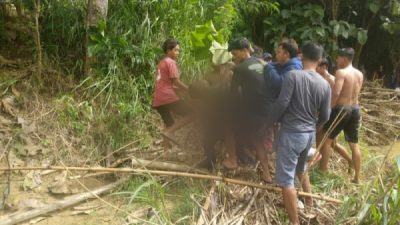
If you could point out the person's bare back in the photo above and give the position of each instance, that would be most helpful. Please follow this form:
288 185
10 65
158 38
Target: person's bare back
346 113
348 83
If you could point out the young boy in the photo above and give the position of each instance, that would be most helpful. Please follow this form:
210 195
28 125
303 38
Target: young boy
167 82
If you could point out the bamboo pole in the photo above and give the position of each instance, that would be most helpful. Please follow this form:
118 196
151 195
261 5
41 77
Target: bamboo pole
135 162
179 174
69 201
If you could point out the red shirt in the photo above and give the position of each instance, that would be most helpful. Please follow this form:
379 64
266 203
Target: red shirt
164 92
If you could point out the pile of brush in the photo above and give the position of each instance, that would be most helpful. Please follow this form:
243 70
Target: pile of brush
380 114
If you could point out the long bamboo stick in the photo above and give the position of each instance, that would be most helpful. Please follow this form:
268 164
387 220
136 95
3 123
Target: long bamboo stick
179 174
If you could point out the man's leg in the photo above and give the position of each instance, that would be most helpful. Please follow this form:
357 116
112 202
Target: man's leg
289 149
342 151
356 159
290 203
262 156
326 154
230 162
306 186
178 124
183 110
263 145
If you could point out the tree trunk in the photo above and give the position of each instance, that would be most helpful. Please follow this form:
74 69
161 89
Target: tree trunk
357 50
96 11
36 36
86 64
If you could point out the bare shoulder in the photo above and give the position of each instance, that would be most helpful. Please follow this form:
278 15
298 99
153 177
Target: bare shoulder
358 74
340 73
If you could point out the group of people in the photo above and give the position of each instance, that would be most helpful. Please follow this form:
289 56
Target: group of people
252 104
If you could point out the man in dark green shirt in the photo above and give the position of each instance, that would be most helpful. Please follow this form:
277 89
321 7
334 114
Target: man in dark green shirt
250 92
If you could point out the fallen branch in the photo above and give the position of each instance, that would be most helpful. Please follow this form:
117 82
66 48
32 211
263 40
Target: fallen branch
67 202
246 211
179 174
207 203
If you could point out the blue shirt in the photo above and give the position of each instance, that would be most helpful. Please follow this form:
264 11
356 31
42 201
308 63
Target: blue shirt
274 74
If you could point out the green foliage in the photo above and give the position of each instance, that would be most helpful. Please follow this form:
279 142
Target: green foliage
153 194
63 30
125 50
226 18
76 116
202 38
376 202
305 22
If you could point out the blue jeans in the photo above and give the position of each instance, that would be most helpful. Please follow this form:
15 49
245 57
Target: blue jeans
292 151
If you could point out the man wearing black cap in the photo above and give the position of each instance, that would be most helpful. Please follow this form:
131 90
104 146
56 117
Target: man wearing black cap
248 85
345 110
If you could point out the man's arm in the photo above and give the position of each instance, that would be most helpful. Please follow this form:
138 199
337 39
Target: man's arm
279 107
329 77
324 109
274 77
179 84
337 87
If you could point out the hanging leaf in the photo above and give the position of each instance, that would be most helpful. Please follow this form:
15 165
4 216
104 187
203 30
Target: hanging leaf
345 34
202 38
374 7
336 29
362 36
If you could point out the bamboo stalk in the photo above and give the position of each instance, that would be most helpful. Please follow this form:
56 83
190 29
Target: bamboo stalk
179 174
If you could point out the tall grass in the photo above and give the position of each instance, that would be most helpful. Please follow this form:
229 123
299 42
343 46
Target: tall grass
125 50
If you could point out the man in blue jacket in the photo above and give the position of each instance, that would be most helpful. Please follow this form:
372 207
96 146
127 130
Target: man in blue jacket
286 60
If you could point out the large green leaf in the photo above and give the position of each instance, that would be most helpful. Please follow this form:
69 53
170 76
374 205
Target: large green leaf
374 7
345 34
202 38
336 29
362 36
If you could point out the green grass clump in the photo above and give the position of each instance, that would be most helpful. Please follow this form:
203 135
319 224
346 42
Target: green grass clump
173 202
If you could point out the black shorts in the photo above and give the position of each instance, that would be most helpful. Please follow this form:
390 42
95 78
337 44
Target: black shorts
179 107
350 123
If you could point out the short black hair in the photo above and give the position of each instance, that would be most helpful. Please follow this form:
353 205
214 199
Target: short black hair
258 52
324 62
312 51
169 44
346 52
290 48
239 44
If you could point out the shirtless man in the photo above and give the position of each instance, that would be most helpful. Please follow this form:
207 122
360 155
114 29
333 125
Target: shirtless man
345 110
322 69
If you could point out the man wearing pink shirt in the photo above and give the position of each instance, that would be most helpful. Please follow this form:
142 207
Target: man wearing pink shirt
167 82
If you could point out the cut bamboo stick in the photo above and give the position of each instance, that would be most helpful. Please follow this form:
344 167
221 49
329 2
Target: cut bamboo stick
180 174
67 202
